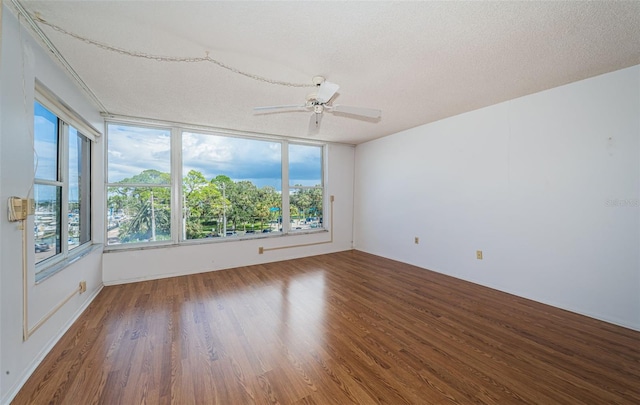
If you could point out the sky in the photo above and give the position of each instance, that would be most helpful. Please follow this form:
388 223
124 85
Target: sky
45 143
134 149
46 153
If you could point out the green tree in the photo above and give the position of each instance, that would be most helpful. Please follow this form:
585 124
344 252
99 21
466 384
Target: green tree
147 209
268 201
316 196
204 203
117 199
225 185
148 214
308 201
149 176
244 197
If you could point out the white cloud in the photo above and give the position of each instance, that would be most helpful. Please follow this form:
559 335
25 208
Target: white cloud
238 158
304 153
132 150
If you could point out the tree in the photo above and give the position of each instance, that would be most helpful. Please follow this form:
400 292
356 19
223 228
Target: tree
308 201
149 176
244 197
147 210
203 201
268 205
148 214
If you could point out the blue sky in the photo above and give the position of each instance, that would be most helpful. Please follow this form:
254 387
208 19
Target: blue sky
45 143
46 156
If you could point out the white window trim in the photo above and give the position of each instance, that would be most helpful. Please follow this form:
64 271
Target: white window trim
52 265
45 97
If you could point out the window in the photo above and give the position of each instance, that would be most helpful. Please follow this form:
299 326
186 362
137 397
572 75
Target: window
169 185
139 185
62 190
231 186
306 190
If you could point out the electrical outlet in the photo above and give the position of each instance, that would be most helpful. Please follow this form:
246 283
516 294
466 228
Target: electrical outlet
479 254
260 250
83 286
416 240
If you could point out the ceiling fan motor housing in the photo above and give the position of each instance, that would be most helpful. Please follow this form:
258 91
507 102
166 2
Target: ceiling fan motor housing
317 80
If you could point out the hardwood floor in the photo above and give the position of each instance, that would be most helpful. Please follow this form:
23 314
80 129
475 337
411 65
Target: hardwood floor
344 328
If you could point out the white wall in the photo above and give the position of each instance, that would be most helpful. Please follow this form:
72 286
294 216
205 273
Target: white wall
18 358
143 264
547 186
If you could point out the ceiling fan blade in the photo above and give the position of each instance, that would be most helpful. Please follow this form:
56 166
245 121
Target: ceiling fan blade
363 111
326 91
314 123
280 107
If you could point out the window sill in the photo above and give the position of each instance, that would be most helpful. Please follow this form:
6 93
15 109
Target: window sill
207 241
52 269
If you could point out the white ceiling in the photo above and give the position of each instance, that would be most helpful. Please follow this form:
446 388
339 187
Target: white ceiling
416 61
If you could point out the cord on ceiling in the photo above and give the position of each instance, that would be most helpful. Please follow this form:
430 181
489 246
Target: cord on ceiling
20 10
161 58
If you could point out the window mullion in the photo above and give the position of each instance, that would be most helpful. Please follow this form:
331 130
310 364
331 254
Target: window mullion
286 215
176 185
63 176
85 192
323 183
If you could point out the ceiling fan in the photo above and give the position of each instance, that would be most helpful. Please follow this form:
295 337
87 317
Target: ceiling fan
319 102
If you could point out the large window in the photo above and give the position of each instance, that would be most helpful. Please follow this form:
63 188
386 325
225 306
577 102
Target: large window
166 185
62 184
139 185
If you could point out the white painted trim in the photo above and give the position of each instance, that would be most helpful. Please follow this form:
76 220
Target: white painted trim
187 127
64 112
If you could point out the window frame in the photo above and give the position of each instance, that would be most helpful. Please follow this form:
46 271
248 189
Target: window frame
84 193
57 262
173 236
177 205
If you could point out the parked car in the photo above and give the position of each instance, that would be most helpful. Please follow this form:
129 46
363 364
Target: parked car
42 247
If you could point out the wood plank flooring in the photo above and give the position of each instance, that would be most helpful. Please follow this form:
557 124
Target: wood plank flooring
344 328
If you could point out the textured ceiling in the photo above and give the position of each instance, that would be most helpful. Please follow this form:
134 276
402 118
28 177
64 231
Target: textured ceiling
416 61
